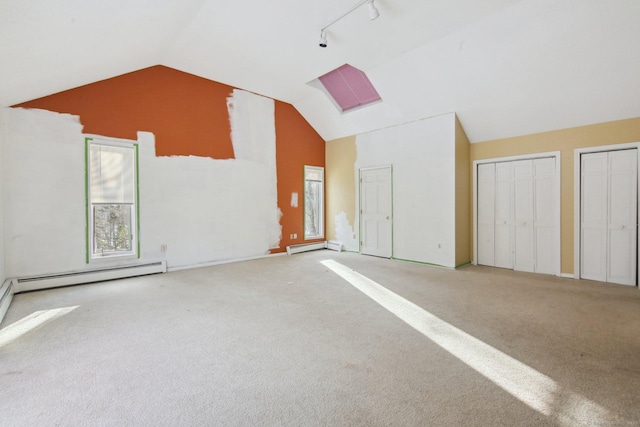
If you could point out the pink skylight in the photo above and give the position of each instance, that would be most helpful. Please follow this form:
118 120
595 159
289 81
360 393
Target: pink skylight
349 87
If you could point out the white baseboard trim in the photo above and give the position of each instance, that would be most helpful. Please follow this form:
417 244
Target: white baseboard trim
220 262
55 280
567 275
335 246
305 247
6 296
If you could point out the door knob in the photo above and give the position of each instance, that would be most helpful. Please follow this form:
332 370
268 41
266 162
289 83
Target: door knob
387 218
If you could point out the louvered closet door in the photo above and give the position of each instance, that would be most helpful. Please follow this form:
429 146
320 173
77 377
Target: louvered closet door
608 196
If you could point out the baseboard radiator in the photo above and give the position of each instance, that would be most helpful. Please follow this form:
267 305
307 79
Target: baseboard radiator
306 247
89 276
6 295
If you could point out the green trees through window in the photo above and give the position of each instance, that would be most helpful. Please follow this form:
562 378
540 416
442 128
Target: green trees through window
313 202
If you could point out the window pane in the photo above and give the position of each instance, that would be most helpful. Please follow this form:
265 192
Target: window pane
312 205
112 227
112 174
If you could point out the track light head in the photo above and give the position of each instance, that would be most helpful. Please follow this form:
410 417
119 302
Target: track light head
373 11
373 14
323 39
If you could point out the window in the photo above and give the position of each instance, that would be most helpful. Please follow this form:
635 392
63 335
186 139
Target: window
313 202
112 212
349 87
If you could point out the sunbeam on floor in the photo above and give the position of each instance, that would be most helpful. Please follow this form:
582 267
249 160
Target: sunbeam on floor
526 384
30 322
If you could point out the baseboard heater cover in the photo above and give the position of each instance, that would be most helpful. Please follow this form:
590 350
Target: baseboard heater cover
306 247
6 295
89 276
334 246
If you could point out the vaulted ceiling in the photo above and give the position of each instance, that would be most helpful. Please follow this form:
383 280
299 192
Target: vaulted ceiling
506 67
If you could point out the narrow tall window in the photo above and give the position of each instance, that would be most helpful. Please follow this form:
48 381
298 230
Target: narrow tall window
313 202
111 199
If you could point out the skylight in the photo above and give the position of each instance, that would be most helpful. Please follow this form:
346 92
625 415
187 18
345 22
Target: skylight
349 87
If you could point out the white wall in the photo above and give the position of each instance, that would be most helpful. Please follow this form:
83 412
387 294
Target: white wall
3 118
204 210
422 154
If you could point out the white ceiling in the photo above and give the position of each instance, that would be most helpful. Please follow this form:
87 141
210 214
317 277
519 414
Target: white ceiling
506 67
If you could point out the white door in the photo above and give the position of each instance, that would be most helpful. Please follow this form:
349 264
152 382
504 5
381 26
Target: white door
375 212
486 213
608 226
504 216
593 216
516 215
523 212
544 178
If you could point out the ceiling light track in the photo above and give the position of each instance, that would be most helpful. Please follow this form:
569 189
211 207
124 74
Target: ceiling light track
373 14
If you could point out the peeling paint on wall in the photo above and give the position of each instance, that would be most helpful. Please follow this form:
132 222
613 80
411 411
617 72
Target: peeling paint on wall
253 134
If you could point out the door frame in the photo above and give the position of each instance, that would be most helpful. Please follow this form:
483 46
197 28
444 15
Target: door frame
577 201
556 156
359 199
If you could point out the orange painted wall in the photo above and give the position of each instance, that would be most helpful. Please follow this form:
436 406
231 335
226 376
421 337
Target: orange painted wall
188 115
297 144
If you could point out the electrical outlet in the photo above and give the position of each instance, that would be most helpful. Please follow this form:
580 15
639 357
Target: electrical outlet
163 247
295 235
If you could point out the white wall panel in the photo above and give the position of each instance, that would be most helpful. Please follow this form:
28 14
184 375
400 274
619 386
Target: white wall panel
3 118
422 154
204 210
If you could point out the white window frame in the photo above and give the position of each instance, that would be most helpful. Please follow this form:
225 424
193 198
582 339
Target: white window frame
135 229
320 209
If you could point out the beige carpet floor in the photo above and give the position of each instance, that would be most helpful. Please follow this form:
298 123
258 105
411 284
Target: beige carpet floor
287 341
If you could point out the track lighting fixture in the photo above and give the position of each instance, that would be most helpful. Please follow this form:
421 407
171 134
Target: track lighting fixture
373 14
323 39
373 11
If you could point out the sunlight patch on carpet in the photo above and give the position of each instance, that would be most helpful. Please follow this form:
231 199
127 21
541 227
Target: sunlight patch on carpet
30 322
526 384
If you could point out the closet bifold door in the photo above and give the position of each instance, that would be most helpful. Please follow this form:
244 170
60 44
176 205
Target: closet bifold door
622 224
544 171
608 216
593 216
486 213
504 239
523 215
516 215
